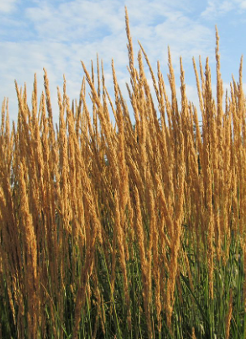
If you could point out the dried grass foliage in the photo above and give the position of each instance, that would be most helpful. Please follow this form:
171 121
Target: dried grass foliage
131 194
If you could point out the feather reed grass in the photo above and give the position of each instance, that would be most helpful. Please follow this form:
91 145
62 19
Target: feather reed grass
131 231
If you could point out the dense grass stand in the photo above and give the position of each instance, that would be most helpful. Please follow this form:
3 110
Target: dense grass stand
125 229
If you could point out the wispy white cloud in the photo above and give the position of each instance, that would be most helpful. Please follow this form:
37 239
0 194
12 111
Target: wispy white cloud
8 6
241 4
217 8
76 20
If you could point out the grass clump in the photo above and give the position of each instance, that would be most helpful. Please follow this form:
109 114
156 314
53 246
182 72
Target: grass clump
129 231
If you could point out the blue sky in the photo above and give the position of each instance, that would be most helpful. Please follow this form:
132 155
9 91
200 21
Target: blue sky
58 34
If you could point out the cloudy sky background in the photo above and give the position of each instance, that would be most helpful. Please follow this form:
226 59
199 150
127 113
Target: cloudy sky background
57 34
